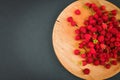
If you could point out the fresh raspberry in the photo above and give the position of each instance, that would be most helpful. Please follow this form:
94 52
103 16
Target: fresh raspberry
88 5
114 62
94 36
90 44
83 55
89 55
86 71
92 50
77 31
83 29
107 66
117 44
104 26
77 37
89 27
84 62
87 37
70 19
77 12
89 60
103 46
96 62
102 7
100 38
76 52
114 12
73 23
112 39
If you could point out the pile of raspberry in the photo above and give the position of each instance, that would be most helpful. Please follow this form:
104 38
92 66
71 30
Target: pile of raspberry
100 36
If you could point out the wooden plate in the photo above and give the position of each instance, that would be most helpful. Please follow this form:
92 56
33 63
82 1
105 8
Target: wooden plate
64 43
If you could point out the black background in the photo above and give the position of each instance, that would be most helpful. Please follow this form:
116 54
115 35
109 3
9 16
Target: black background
26 51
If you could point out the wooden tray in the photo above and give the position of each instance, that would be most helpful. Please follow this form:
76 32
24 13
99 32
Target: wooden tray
64 43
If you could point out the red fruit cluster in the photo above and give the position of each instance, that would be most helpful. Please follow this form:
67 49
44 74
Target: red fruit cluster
100 34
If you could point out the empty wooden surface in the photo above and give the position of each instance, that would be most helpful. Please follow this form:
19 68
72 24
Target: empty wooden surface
64 43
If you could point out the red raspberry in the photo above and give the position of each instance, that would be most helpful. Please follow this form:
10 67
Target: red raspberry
83 55
86 22
77 12
77 37
89 55
102 62
84 62
117 44
103 46
81 45
88 5
89 60
77 31
107 66
87 37
104 26
96 62
86 71
73 23
105 18
70 19
89 27
103 32
96 16
93 30
92 50
100 38
90 44
83 29
114 62
76 52
114 12
102 7
112 39
94 36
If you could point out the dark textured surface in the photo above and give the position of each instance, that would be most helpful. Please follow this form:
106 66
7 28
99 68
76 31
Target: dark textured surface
26 51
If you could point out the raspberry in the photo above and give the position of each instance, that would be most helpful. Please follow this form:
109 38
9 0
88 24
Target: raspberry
77 31
104 26
83 29
77 37
114 12
90 44
70 19
117 44
73 23
103 46
77 12
83 55
107 66
100 38
87 37
86 71
114 62
84 62
96 62
76 52
102 7
89 60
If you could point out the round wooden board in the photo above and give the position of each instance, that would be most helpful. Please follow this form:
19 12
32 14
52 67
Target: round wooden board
64 43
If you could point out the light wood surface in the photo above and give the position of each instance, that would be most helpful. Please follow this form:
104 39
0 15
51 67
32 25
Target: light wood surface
64 43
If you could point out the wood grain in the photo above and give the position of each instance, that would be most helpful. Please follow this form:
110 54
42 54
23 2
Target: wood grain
64 43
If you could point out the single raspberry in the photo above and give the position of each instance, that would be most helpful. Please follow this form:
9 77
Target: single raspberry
89 27
77 12
96 62
83 29
87 37
112 39
86 71
90 44
89 55
94 36
73 23
89 60
117 44
102 7
114 12
92 50
76 52
100 38
107 66
103 32
77 37
114 62
103 46
84 62
83 55
70 19
104 26
77 31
